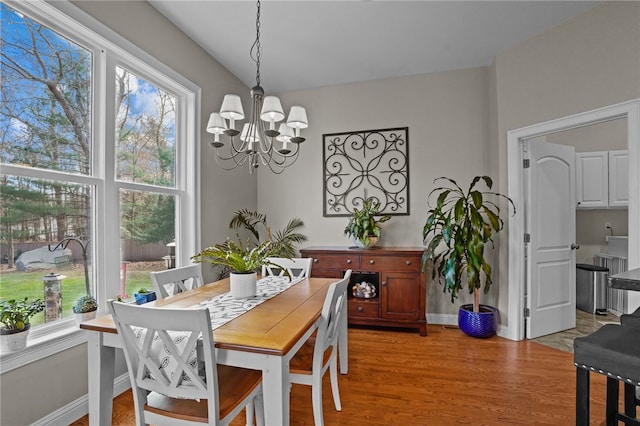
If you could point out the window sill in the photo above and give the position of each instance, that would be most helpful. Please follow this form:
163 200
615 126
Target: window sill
39 347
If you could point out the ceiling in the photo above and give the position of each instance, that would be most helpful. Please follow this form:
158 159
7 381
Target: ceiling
309 44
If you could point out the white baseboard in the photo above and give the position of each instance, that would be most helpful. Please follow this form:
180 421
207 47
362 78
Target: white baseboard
80 407
443 319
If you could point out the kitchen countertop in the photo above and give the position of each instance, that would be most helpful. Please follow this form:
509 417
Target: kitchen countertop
629 280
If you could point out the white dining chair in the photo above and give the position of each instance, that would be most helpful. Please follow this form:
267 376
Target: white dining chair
298 267
319 353
172 367
172 281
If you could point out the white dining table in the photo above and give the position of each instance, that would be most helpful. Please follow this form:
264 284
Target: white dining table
264 338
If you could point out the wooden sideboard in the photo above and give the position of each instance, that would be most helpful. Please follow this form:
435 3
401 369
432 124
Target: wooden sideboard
395 271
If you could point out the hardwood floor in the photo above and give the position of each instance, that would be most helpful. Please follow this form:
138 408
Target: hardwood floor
446 378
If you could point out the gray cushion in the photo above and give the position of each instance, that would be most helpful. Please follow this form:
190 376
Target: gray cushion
631 320
613 350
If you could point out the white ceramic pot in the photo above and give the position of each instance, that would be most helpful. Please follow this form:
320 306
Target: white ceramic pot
14 342
85 316
372 242
243 285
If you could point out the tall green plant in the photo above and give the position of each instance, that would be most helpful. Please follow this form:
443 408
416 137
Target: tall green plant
456 232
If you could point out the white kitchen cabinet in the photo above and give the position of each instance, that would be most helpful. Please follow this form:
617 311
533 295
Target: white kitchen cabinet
602 179
619 178
592 177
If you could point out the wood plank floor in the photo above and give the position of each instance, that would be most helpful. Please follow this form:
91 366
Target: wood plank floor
446 378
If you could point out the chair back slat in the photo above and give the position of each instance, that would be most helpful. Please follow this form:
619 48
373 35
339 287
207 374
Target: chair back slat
328 324
172 281
161 347
298 267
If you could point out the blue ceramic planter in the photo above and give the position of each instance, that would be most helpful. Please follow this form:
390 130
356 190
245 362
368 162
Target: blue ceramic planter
144 297
478 324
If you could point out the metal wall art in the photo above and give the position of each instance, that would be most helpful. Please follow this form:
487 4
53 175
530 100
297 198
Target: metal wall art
364 164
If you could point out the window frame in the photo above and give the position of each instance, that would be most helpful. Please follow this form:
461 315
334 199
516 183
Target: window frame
110 50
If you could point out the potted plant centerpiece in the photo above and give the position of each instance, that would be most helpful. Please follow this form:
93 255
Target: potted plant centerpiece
242 260
85 308
16 316
456 232
363 227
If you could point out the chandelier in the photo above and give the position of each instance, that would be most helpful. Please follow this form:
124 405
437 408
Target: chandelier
259 142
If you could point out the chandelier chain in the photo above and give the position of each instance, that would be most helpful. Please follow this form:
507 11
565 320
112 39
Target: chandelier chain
256 50
255 144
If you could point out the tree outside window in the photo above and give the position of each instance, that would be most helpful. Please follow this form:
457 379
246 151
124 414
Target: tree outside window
47 151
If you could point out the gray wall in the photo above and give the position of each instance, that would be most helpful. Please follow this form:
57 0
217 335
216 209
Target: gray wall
448 120
590 61
457 122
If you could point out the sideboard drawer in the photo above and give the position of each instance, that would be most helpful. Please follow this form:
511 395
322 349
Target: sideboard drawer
358 308
390 263
329 261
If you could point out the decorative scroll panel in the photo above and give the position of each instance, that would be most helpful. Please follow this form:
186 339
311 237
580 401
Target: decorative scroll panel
364 164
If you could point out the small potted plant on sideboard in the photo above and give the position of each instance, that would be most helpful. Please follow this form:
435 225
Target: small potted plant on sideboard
363 226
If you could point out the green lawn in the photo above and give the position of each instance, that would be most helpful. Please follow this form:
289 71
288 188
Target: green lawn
17 285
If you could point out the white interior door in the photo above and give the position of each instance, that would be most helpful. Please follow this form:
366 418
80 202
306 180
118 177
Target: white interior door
551 224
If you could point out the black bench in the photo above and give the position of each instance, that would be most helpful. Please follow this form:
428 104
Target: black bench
613 350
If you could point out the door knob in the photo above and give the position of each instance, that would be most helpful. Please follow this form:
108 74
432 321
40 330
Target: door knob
575 246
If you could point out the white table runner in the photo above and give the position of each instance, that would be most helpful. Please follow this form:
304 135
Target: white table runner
224 308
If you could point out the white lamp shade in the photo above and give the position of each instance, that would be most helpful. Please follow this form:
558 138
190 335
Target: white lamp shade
249 133
286 133
297 118
232 108
216 124
272 109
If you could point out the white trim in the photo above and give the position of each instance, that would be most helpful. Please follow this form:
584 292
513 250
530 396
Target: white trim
629 110
442 319
43 347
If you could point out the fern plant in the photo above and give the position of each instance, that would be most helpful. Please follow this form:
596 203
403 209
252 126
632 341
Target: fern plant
283 242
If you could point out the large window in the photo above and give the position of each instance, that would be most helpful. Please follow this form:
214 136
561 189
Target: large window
92 140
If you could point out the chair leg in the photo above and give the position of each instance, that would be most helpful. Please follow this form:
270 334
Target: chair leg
333 372
259 404
582 397
613 390
249 413
630 400
316 397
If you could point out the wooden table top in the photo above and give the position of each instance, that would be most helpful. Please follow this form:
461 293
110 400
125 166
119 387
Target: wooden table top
272 327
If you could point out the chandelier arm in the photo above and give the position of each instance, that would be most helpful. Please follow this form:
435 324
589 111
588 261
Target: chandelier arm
279 167
225 165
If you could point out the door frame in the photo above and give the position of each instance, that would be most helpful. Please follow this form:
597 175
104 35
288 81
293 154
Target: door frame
517 273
